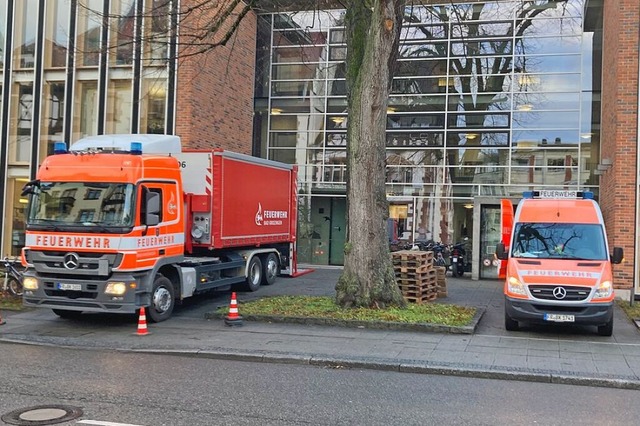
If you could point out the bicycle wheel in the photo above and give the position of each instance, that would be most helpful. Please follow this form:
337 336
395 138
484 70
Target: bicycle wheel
14 287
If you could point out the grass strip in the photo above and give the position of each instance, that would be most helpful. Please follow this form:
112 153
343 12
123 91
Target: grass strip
326 308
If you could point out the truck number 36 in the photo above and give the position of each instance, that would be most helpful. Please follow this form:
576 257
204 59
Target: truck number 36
183 164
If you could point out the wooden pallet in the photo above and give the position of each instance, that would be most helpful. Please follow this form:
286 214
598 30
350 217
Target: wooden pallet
415 269
423 274
421 281
421 299
412 255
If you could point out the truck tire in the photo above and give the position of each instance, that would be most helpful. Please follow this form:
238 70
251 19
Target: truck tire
271 269
510 324
254 274
64 314
607 329
162 299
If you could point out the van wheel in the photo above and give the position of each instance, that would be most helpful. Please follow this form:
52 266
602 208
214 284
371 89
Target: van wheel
271 269
607 329
162 299
254 276
510 324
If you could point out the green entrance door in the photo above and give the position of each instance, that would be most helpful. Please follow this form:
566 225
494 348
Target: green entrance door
337 233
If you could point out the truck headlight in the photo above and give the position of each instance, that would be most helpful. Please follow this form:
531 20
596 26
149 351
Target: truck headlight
30 283
115 288
604 290
515 286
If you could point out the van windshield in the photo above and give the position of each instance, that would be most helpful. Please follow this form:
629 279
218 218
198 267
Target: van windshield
559 241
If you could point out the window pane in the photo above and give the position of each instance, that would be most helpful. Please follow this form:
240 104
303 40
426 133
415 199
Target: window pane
57 30
157 18
153 105
85 109
21 123
118 118
123 25
52 117
25 33
88 32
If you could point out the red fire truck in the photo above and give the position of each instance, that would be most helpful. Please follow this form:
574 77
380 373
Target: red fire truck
119 222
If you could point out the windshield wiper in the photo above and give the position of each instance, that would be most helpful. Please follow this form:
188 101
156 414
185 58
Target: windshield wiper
52 223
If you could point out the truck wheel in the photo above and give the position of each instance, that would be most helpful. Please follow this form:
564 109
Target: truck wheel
162 299
64 314
271 269
510 324
607 329
254 277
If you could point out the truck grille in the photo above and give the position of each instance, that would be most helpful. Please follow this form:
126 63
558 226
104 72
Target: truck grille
571 293
89 265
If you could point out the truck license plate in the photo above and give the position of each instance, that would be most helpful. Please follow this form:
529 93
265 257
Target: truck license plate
455 260
559 318
72 287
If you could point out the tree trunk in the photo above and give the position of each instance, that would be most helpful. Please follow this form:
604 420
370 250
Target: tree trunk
373 32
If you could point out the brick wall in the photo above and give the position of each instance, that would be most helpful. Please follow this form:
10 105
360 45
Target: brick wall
215 89
619 129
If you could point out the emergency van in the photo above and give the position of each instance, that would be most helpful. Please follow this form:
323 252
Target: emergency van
558 264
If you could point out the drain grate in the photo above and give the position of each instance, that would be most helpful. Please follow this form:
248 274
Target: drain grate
42 415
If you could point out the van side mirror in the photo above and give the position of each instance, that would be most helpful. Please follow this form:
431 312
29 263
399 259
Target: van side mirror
501 252
152 208
618 255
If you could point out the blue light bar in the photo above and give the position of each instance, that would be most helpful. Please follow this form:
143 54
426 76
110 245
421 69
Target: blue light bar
59 148
527 194
136 148
587 195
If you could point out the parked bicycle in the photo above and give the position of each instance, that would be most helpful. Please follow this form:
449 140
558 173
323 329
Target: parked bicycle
12 282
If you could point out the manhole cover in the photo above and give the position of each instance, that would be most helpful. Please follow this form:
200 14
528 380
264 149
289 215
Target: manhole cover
41 415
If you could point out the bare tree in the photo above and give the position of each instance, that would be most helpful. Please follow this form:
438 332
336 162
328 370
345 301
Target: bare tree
373 37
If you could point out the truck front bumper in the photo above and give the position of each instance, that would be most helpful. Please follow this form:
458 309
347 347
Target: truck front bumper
89 298
534 312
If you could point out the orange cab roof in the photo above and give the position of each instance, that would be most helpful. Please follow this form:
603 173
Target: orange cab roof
558 211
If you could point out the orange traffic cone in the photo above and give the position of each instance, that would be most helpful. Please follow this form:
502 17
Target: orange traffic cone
233 318
142 323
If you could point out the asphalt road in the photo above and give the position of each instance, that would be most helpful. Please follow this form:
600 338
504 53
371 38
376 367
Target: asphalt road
155 390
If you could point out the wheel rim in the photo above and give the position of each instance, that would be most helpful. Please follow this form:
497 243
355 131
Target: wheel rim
255 273
272 268
15 288
161 300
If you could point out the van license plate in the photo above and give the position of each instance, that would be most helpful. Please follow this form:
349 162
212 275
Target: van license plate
559 318
72 287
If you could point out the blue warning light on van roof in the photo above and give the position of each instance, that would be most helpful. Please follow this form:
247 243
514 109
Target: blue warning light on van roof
559 194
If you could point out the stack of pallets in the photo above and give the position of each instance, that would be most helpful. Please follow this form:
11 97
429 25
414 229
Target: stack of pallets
415 275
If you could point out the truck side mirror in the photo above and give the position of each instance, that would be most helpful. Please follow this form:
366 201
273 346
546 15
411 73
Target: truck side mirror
617 256
30 187
501 252
152 208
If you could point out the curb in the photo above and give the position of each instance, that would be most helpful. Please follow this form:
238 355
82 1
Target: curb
441 370
378 325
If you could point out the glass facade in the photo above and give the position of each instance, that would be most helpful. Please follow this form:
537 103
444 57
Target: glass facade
77 80
489 99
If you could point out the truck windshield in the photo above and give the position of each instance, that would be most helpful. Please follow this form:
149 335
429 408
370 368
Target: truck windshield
66 204
559 241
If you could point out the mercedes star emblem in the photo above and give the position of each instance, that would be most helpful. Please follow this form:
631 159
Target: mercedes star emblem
71 261
559 293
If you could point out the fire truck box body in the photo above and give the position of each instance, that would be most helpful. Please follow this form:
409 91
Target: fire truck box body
238 200
125 221
559 270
